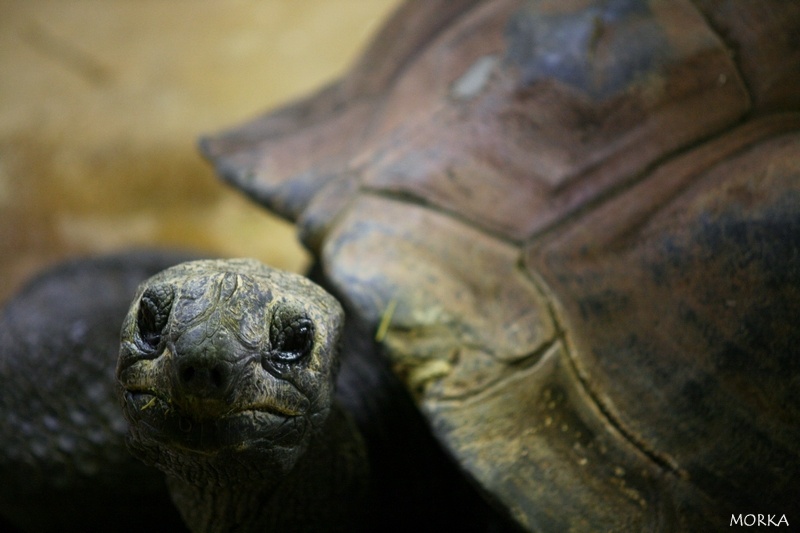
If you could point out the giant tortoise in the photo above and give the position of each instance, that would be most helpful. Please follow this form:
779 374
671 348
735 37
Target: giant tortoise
573 231
574 227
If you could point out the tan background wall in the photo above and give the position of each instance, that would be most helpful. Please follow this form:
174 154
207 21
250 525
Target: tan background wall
101 102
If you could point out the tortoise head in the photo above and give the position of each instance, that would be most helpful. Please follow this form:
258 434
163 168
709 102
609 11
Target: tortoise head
227 358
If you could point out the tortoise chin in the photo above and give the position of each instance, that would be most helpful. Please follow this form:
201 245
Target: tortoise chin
155 420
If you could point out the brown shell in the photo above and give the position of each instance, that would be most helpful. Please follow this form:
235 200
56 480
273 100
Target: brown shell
577 226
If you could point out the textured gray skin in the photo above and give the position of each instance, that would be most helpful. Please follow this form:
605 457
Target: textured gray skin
227 374
64 465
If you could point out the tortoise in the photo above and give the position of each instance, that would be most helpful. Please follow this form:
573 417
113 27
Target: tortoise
573 231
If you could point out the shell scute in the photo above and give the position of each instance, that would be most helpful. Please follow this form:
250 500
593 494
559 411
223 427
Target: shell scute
454 290
678 316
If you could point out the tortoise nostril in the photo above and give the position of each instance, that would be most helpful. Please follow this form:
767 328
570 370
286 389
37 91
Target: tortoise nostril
187 374
217 377
203 378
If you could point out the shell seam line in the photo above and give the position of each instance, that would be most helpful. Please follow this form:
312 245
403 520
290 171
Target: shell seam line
663 460
413 199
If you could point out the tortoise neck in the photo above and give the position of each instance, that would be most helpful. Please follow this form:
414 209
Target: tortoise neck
323 492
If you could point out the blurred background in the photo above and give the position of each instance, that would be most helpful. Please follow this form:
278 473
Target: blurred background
101 103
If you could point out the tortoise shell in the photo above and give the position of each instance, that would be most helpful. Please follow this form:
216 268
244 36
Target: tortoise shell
575 228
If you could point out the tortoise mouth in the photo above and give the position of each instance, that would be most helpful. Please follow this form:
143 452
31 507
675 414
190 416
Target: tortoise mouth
154 418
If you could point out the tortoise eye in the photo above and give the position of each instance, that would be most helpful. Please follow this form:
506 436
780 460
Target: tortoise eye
154 308
291 338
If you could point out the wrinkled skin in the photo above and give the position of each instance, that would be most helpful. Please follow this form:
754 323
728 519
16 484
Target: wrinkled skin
250 350
227 372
